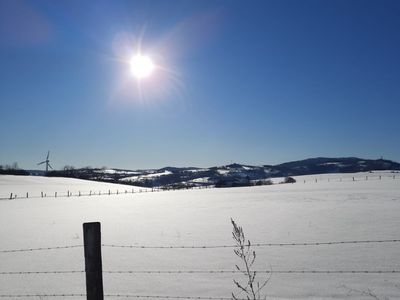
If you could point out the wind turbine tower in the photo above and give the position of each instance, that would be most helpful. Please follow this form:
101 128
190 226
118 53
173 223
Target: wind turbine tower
47 162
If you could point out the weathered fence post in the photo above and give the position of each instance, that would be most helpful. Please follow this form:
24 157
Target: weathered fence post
93 265
27 195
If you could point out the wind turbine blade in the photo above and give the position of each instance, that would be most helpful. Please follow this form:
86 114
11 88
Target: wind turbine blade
41 163
48 153
51 167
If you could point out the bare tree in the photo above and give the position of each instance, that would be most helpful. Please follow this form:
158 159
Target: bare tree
251 288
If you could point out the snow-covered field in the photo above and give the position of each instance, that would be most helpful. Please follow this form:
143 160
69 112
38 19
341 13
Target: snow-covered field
19 186
315 211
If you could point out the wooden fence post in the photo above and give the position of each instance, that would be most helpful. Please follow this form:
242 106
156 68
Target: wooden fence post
93 265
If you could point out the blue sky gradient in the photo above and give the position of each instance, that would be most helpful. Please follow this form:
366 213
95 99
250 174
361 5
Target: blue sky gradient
256 82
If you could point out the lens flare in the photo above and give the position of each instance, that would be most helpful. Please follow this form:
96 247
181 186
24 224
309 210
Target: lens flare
141 66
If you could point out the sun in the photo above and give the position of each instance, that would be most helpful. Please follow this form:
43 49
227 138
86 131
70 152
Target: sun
141 66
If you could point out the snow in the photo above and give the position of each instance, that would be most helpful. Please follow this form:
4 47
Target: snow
35 185
223 171
248 168
112 171
313 211
201 180
197 170
141 177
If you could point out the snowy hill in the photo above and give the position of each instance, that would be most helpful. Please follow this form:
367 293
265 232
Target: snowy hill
229 175
320 208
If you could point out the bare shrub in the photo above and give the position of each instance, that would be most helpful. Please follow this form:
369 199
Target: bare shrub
251 287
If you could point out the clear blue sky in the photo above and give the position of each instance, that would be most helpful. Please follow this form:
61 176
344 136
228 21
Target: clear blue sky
256 82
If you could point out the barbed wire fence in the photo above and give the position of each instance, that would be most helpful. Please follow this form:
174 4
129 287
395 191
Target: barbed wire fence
183 272
69 193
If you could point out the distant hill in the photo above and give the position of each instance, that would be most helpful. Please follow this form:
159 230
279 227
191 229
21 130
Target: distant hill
229 175
322 165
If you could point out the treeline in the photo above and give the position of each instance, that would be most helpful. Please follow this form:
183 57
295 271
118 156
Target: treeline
12 169
72 172
88 173
240 182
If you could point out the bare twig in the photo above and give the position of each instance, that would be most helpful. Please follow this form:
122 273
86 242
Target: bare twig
252 288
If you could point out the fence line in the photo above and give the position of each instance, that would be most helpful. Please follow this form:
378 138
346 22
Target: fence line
116 296
100 193
170 297
40 295
39 272
210 247
211 272
259 271
256 244
177 272
40 249
158 189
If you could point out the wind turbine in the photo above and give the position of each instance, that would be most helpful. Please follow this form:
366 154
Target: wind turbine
47 162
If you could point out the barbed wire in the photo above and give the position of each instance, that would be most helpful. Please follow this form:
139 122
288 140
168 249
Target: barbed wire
40 272
40 295
171 297
116 296
207 246
207 272
40 249
261 271
255 244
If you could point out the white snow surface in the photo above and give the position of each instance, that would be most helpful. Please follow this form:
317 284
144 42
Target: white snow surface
35 185
151 175
314 211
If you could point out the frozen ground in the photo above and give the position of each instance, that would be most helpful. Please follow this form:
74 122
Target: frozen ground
325 210
35 185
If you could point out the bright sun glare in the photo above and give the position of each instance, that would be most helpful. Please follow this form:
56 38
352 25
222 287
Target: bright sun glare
141 66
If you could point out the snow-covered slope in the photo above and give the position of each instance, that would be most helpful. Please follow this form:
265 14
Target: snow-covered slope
35 185
317 210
